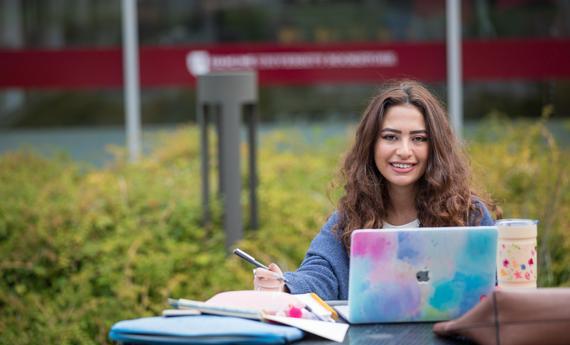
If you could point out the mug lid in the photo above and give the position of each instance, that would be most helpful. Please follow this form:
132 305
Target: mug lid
516 222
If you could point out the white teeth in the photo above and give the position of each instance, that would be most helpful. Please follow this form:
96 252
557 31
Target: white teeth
402 166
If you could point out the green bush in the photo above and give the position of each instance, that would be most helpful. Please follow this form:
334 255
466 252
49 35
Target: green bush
83 248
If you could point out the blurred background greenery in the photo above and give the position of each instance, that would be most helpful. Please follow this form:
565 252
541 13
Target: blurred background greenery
84 247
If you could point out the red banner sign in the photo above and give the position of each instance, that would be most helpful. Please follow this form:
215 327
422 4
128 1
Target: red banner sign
305 64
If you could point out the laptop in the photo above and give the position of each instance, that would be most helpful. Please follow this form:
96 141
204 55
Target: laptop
419 274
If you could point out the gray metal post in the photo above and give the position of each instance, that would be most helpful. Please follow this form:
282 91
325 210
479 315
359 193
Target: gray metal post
228 92
252 141
230 171
11 36
454 84
217 109
202 114
131 78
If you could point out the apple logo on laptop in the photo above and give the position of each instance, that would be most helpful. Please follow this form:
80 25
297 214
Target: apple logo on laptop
422 276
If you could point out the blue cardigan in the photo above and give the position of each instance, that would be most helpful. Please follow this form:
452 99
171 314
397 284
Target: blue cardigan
324 269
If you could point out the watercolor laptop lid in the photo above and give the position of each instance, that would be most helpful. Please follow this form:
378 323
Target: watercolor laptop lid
421 274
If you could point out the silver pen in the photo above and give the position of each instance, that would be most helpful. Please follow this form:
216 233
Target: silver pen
254 262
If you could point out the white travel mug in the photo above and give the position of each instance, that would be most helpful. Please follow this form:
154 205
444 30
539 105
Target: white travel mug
517 264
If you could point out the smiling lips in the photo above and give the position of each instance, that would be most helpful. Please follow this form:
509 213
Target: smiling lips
402 167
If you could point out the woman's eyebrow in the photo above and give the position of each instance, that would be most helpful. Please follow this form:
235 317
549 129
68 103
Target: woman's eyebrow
390 130
418 131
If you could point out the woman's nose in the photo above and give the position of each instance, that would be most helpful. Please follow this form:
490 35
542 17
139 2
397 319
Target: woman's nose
404 149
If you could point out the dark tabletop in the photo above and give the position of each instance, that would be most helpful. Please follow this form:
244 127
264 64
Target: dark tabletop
387 334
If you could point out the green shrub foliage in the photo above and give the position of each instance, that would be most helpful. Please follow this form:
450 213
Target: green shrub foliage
82 248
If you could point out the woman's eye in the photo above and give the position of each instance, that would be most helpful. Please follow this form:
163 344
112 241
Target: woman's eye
389 137
420 139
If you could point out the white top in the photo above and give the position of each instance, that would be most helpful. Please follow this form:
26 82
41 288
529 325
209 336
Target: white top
413 224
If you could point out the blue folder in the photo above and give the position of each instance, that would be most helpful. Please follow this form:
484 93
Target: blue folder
201 329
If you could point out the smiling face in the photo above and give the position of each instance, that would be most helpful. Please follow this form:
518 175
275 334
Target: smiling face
402 148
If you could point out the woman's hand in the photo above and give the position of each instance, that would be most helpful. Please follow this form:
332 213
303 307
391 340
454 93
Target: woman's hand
268 280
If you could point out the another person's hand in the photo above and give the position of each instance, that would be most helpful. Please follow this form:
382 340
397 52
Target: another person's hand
268 280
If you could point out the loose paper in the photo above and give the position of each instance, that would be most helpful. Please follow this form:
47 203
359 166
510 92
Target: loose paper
330 330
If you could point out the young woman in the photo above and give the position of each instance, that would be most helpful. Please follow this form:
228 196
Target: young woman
405 169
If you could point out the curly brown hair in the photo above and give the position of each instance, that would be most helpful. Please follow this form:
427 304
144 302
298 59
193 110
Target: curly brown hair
444 193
